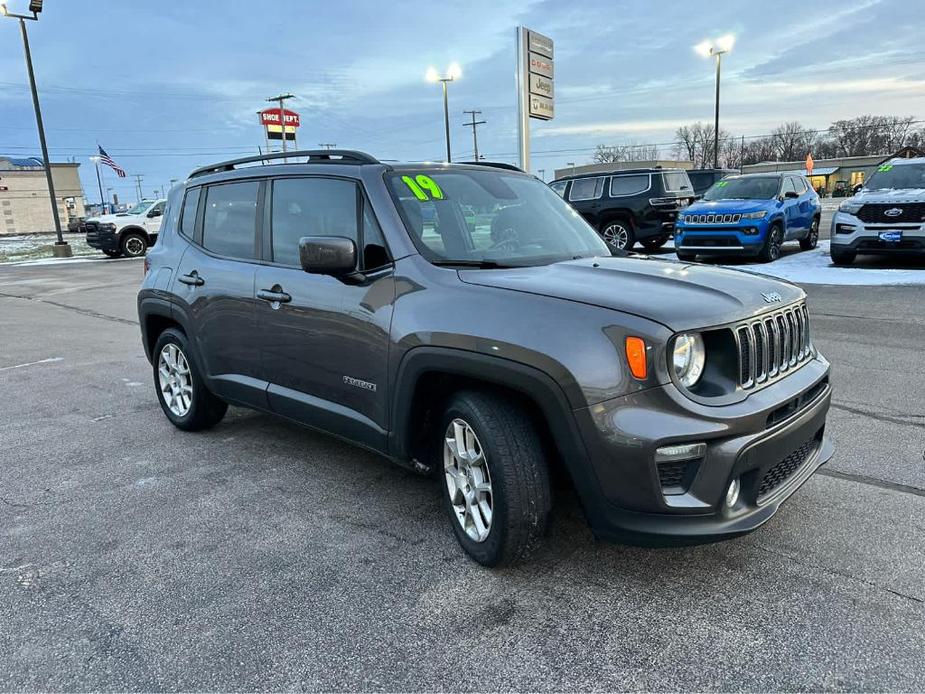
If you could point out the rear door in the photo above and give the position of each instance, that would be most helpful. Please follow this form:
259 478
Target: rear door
214 284
324 345
585 196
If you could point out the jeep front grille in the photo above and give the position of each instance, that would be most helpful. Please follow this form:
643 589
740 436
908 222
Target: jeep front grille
712 218
772 345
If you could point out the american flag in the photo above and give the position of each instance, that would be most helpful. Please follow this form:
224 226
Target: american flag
107 160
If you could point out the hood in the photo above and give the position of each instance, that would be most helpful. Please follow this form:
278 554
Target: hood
681 296
729 206
105 219
890 195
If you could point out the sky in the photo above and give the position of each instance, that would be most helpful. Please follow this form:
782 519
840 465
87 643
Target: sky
165 87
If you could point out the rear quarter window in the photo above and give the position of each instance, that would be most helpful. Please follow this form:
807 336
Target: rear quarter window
558 187
586 188
677 182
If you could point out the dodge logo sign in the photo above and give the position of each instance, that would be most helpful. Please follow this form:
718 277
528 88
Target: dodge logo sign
773 298
893 212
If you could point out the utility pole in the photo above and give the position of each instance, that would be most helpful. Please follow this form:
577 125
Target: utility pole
327 145
138 186
281 99
474 125
61 248
542 173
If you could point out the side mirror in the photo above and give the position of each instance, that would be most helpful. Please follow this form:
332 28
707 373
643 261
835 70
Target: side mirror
155 213
328 255
791 194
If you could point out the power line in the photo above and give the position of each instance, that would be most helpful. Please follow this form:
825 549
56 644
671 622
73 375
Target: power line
474 124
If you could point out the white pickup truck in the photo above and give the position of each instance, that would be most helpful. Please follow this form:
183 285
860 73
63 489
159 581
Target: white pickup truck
127 233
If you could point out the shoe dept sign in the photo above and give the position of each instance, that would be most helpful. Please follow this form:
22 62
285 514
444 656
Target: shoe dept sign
540 75
273 123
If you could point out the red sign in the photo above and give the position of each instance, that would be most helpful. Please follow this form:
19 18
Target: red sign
271 117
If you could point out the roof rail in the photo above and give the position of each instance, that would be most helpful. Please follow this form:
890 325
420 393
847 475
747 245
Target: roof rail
315 156
495 164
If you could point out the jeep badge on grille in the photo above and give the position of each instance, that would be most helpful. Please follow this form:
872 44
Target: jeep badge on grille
772 298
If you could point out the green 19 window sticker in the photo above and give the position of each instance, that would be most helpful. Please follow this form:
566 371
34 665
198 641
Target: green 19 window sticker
885 167
421 183
722 184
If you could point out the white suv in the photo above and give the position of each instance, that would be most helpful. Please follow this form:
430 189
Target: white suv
886 217
127 233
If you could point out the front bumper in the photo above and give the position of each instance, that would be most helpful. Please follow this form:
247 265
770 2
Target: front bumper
850 235
771 455
100 236
744 238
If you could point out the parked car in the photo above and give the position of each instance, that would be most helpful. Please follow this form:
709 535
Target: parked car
126 233
74 224
629 206
887 217
702 179
315 291
750 215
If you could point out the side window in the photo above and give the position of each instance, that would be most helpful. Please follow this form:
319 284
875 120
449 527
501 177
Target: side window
559 187
803 185
586 188
188 219
311 207
628 185
788 185
375 253
229 226
158 209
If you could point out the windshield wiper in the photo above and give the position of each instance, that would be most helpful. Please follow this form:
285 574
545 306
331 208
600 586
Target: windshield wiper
481 264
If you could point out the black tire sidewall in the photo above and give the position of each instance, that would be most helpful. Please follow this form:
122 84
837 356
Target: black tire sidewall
766 256
487 551
124 245
199 415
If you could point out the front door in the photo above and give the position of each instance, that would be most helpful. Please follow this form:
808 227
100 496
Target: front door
214 283
154 217
791 204
324 341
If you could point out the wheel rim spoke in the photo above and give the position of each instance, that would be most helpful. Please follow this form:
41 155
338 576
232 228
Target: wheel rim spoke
468 480
174 382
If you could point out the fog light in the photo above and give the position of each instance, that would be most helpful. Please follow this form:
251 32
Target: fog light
732 494
680 451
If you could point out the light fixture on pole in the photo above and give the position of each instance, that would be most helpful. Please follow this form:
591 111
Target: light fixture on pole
453 72
61 248
717 48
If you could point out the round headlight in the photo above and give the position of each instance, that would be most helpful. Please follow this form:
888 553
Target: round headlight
689 358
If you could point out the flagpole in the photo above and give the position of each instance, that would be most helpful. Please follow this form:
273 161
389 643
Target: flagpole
99 182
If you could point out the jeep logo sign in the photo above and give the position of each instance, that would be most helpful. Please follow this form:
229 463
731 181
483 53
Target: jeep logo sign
772 298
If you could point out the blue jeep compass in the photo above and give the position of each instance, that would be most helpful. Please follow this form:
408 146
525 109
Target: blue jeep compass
751 215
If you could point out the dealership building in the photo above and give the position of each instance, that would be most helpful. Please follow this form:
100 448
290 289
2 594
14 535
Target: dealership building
24 204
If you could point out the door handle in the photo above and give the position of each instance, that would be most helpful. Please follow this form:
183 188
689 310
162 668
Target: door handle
274 296
193 279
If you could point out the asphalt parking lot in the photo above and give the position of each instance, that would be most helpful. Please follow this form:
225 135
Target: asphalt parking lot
261 555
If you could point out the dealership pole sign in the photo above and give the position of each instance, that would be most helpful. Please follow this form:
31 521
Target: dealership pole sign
275 121
535 86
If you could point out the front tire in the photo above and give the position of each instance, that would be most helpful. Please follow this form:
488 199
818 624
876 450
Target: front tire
112 254
842 258
618 234
495 483
654 244
134 245
183 395
812 238
771 249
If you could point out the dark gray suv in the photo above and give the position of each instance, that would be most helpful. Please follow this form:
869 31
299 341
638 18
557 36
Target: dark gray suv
463 320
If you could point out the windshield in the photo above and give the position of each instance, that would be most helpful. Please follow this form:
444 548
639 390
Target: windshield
140 207
897 176
757 188
490 217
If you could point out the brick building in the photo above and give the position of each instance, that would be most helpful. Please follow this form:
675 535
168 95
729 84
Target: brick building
24 204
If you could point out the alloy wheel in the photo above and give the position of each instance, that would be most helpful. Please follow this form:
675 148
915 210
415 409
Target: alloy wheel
134 246
468 480
775 242
616 235
173 376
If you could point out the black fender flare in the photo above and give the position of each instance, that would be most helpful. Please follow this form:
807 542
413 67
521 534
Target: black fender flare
148 306
535 384
132 229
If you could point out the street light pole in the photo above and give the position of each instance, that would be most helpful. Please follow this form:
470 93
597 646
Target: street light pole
61 249
719 60
99 182
452 73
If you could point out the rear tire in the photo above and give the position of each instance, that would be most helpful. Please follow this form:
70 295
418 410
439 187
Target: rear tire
771 249
686 257
495 485
183 395
618 234
812 238
842 258
134 245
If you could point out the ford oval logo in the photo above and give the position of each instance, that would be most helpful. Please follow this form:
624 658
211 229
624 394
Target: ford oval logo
773 298
893 212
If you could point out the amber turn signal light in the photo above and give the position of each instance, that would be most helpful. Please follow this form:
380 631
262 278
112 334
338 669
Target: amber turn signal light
636 356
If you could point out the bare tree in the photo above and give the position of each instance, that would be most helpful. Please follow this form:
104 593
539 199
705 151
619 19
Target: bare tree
604 154
792 141
868 134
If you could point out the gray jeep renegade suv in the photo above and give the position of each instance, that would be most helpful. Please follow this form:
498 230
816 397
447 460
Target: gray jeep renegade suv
464 320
